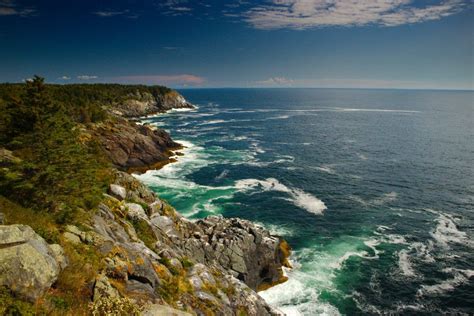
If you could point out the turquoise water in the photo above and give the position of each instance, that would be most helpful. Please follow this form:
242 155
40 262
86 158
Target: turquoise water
374 190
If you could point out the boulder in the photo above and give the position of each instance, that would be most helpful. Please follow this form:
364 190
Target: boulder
156 207
103 289
164 223
162 310
118 191
135 211
28 264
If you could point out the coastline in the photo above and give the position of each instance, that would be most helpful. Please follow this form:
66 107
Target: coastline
132 249
177 153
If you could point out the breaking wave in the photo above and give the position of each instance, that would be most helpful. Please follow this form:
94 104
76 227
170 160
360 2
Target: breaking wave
300 198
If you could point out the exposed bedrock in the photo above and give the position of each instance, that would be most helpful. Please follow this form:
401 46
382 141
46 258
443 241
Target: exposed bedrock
132 147
156 256
144 103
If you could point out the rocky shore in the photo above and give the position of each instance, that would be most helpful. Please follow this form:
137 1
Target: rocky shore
150 259
144 103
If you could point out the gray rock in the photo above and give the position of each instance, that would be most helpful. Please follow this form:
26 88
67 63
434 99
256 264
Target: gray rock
206 297
241 246
136 211
73 230
140 290
163 222
196 282
28 265
103 289
156 207
175 263
118 191
162 310
219 249
72 238
59 255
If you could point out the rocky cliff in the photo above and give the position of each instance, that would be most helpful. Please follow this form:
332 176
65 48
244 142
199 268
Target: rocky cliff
154 255
144 103
133 147
153 261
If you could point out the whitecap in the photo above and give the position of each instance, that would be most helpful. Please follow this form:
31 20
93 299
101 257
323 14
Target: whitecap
256 147
326 168
279 117
182 110
277 230
385 198
298 296
460 277
222 175
298 197
404 264
447 232
210 122
381 200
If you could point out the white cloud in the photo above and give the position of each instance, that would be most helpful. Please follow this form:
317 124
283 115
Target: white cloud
65 78
304 14
9 7
86 77
109 13
276 81
176 7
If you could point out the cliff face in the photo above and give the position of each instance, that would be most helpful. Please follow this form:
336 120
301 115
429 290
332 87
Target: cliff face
144 103
133 147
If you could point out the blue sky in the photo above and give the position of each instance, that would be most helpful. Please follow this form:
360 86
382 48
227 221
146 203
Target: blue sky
272 43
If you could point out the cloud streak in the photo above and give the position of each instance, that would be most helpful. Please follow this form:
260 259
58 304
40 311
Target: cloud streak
305 14
86 77
110 13
10 8
176 7
276 81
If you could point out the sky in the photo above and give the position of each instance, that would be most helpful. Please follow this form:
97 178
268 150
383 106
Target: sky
270 43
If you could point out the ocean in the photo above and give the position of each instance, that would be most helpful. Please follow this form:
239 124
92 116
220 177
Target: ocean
373 189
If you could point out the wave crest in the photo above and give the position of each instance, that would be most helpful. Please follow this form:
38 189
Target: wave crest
298 197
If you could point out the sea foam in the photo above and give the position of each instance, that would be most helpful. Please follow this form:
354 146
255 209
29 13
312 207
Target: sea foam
298 197
459 278
446 232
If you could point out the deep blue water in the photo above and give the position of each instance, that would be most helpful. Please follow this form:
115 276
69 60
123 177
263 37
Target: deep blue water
373 189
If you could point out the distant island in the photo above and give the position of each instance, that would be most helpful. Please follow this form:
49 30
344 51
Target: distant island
80 235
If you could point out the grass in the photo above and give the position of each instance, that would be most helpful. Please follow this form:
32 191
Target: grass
144 232
42 223
10 305
72 291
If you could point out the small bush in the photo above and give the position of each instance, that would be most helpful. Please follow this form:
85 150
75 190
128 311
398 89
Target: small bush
114 306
